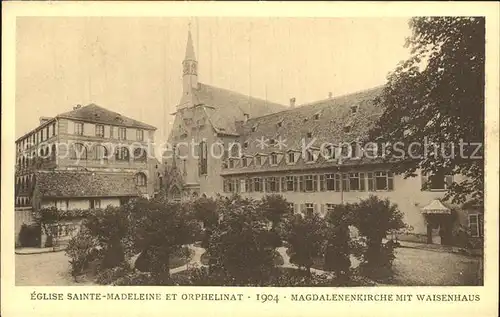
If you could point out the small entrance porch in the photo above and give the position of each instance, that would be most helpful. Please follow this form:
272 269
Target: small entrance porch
439 223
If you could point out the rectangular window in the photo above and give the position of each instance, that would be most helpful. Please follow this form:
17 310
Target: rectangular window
380 181
47 132
41 135
330 181
290 183
203 158
274 159
291 157
476 225
122 133
95 203
330 207
310 183
231 163
111 132
345 182
354 181
78 128
248 185
309 208
99 130
244 162
272 184
438 181
258 160
53 129
140 135
300 187
322 182
257 184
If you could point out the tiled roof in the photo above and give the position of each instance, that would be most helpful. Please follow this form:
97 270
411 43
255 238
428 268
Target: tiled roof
333 115
324 121
95 113
225 107
85 184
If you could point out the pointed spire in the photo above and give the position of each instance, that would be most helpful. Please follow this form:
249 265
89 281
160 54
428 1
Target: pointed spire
189 47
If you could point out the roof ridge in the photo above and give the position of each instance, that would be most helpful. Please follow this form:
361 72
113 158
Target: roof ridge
242 94
310 104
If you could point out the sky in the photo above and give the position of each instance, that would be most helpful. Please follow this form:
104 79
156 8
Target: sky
134 65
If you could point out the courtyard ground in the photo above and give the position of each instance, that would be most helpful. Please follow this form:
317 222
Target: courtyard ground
412 267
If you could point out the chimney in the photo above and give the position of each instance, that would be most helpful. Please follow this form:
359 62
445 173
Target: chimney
44 120
330 95
292 102
77 107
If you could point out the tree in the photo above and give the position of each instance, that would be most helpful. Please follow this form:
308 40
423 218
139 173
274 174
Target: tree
110 227
275 208
305 236
375 218
205 210
337 251
239 246
161 228
438 95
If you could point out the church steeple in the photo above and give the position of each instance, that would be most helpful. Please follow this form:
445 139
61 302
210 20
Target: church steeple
190 66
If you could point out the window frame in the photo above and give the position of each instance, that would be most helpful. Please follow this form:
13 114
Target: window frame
78 128
139 135
98 128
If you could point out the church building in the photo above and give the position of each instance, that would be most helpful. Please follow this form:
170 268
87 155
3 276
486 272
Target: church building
224 142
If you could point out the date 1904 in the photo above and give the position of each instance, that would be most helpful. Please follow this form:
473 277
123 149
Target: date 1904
263 298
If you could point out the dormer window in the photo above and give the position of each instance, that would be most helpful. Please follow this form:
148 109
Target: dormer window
244 162
291 157
309 156
330 152
354 109
274 159
258 160
231 163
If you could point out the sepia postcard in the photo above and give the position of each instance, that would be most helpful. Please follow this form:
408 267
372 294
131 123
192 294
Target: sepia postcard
296 159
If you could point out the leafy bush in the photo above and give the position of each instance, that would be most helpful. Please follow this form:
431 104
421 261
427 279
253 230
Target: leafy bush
305 237
239 246
337 250
111 275
82 249
29 235
160 228
375 219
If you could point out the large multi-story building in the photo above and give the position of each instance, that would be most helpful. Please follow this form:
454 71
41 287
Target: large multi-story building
254 147
89 157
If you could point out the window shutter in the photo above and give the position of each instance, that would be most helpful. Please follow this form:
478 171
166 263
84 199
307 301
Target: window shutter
424 181
390 181
362 186
370 181
448 179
